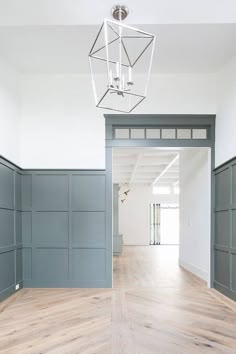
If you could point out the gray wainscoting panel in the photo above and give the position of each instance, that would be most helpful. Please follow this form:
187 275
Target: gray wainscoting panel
19 265
223 189
88 193
222 265
88 229
27 192
7 270
10 228
27 264
6 185
52 229
234 228
88 265
233 260
222 228
225 229
7 227
18 227
27 227
50 192
63 229
18 194
50 265
234 184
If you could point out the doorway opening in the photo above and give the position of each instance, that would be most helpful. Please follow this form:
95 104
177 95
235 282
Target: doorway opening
161 199
164 224
173 132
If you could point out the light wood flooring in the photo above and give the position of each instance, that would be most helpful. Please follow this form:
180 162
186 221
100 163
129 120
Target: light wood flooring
155 307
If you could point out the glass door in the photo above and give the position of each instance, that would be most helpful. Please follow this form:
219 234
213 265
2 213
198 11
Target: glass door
164 224
155 216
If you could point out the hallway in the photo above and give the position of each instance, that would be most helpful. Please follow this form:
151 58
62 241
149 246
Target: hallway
155 307
150 266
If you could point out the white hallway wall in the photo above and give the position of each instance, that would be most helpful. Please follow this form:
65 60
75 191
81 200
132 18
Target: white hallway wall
134 213
195 212
60 125
61 128
226 114
9 112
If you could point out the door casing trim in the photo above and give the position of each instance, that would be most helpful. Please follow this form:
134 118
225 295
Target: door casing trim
156 121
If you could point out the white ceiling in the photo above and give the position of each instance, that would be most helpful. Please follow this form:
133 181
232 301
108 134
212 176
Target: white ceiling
185 48
55 36
84 12
145 165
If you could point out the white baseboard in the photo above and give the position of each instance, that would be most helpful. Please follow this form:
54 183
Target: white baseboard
191 268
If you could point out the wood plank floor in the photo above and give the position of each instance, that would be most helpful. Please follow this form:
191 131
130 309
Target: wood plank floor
154 307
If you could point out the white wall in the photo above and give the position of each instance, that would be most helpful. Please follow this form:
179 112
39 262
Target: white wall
9 112
226 114
195 212
61 128
134 213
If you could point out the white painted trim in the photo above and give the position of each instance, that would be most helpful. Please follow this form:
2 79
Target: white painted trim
135 168
196 271
165 170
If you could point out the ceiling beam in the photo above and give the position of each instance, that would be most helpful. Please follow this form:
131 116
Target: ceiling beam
135 168
153 161
165 170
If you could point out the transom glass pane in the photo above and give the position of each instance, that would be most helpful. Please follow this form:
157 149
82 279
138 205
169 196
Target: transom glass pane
168 133
199 133
153 133
137 134
122 133
183 133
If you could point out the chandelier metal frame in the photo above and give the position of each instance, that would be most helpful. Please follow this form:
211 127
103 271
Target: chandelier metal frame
118 84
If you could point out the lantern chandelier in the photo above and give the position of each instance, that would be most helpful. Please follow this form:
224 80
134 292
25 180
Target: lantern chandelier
120 63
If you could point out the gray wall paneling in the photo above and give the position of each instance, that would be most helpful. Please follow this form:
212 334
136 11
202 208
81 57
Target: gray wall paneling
63 223
225 229
10 228
52 229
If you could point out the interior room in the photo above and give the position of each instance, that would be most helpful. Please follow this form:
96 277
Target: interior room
117 177
161 200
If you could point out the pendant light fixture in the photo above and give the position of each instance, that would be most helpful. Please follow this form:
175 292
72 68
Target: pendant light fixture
123 191
120 63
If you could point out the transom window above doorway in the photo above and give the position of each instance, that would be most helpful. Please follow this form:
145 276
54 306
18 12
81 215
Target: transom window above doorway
161 133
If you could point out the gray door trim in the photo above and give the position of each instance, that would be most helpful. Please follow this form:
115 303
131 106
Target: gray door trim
158 121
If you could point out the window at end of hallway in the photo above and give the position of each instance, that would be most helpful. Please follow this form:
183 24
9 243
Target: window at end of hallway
161 190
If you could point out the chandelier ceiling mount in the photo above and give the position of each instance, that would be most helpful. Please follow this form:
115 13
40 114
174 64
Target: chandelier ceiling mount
119 12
